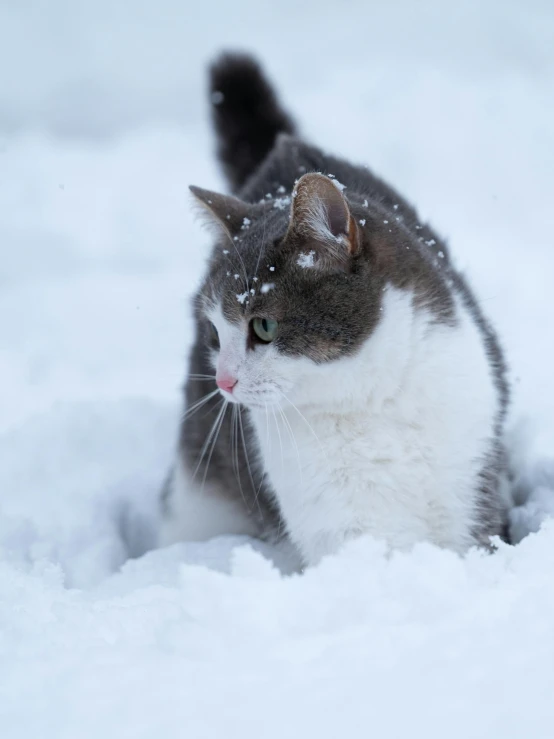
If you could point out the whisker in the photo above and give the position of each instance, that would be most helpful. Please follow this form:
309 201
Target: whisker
214 442
293 438
304 419
246 286
248 463
280 440
261 244
267 439
235 453
209 437
280 523
191 410
234 461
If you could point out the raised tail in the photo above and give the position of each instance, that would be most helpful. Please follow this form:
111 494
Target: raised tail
247 116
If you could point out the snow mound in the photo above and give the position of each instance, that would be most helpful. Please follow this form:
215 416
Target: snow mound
170 647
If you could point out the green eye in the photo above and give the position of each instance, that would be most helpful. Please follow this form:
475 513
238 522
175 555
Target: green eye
265 329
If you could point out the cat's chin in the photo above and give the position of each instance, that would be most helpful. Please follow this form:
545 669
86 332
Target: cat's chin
250 403
261 403
229 397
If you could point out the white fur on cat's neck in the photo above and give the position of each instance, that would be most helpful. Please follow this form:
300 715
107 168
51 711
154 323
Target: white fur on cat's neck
389 442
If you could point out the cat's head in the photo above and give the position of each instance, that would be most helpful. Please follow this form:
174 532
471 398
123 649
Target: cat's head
295 285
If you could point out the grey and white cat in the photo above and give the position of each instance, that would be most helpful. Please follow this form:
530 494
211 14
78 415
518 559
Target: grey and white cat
343 380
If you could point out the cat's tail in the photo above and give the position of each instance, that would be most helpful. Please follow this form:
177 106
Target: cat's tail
246 114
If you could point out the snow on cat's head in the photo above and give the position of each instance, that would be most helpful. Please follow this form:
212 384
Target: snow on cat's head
295 283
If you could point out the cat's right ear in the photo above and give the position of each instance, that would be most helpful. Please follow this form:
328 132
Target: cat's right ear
223 212
320 215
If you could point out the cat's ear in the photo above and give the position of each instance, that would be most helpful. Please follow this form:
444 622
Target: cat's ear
224 212
321 215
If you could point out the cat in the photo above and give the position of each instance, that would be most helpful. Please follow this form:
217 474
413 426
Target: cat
343 379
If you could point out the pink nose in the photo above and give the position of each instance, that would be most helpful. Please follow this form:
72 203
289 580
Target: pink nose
226 383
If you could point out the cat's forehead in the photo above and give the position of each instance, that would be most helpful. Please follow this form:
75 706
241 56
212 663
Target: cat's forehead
259 233
251 289
246 267
250 255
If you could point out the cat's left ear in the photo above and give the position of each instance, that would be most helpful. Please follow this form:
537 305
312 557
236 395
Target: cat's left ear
321 215
225 212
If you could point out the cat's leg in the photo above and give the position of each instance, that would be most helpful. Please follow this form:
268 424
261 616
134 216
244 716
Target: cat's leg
194 511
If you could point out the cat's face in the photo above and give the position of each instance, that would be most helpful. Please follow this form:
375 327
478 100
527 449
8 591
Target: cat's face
248 370
290 292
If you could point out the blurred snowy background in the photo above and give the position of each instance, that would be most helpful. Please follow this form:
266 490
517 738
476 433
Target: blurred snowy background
103 124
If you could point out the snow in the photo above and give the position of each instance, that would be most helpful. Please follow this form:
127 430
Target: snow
340 187
282 203
306 259
102 128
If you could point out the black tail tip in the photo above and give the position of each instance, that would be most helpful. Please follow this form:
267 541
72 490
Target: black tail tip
246 114
237 80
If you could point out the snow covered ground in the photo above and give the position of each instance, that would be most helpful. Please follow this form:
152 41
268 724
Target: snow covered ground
102 127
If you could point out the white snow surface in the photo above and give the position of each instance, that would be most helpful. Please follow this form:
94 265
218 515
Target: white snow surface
103 124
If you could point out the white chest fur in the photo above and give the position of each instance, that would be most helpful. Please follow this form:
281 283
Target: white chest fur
389 442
